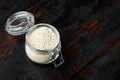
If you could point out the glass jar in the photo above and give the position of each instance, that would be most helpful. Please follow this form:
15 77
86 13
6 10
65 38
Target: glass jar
44 56
23 22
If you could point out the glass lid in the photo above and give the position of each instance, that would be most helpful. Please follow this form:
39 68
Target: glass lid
19 23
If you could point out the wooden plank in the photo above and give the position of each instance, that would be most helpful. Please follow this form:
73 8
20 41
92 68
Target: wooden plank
83 38
106 67
7 42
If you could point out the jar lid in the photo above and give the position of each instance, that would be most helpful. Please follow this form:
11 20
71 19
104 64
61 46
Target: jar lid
19 23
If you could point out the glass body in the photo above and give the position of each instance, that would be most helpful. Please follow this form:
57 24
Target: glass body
44 56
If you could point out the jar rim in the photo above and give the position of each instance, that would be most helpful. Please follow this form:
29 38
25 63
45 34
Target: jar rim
41 25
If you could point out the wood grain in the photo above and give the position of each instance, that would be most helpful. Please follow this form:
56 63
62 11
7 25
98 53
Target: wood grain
90 37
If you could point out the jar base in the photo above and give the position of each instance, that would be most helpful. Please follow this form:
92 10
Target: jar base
48 62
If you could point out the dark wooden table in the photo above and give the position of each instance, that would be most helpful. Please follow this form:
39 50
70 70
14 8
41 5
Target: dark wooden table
90 36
